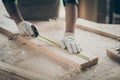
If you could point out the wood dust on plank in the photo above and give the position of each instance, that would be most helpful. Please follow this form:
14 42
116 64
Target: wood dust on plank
17 54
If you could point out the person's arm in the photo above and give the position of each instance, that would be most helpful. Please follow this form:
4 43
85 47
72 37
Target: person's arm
70 17
24 27
68 42
13 11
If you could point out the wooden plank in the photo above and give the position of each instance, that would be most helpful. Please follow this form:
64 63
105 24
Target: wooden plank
113 54
41 49
112 31
21 72
54 32
41 37
84 64
4 75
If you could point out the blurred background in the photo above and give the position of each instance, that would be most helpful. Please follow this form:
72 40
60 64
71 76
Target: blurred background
100 11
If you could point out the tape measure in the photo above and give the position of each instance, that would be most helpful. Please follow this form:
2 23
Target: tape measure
49 41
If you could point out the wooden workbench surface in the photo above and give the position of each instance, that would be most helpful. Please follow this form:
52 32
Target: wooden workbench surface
91 43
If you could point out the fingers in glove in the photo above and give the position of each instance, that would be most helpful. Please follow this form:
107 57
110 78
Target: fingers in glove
26 31
36 33
63 45
74 49
22 32
69 48
78 48
29 30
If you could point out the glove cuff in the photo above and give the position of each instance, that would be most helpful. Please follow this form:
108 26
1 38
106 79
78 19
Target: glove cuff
23 23
69 34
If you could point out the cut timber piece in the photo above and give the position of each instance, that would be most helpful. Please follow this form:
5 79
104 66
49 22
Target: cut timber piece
82 62
41 49
89 63
81 59
113 54
112 31
79 62
21 72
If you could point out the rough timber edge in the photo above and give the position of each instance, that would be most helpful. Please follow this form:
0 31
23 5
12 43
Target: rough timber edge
89 63
113 55
21 72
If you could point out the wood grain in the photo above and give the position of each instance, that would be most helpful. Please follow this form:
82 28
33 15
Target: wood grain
41 49
102 29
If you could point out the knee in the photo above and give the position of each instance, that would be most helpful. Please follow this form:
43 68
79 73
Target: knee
74 2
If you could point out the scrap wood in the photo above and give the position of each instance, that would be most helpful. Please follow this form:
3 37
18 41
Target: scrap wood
21 72
114 54
93 29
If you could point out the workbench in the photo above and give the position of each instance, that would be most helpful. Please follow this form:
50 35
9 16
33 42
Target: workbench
91 43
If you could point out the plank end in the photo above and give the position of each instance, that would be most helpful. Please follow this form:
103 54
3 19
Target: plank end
113 55
89 64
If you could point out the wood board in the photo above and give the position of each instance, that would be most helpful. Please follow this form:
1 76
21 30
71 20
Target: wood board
21 72
7 76
108 30
82 64
37 47
113 54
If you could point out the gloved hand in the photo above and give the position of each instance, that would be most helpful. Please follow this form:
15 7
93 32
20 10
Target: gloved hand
68 42
28 29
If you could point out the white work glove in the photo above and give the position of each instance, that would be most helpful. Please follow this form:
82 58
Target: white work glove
28 29
68 42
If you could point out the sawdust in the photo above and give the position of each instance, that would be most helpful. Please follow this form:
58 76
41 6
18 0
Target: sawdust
16 55
11 53
70 74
